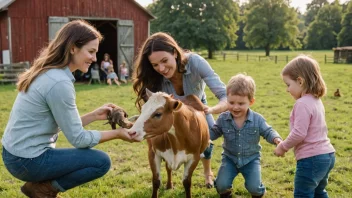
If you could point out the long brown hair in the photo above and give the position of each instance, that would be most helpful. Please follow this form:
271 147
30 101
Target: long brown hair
144 75
308 69
57 54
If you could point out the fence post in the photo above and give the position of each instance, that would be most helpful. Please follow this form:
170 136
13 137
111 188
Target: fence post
224 56
247 57
325 58
286 59
238 56
275 59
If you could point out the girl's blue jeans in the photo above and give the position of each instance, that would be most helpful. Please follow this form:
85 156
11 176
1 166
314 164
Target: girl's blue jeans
312 175
251 173
65 168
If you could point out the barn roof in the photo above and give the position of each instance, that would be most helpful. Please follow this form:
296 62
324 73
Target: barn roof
145 10
343 48
4 4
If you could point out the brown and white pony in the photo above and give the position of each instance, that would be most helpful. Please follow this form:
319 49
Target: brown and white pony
176 133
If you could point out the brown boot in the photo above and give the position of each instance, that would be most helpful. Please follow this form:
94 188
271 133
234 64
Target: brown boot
39 190
227 194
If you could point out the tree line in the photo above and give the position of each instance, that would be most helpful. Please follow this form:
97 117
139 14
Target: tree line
256 24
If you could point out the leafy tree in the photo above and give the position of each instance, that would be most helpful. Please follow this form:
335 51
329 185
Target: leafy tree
322 32
301 27
240 44
345 35
209 24
313 9
271 24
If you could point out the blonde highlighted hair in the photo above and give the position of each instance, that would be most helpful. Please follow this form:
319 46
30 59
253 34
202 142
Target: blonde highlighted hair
308 70
57 54
242 85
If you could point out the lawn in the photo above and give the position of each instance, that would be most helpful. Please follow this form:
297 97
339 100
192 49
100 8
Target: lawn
130 175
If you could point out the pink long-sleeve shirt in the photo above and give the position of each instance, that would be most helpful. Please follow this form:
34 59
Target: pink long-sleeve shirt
309 133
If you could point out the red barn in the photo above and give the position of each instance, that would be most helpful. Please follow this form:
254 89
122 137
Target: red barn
26 26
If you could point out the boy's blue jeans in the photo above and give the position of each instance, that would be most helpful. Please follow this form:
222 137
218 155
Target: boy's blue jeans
251 173
66 168
312 176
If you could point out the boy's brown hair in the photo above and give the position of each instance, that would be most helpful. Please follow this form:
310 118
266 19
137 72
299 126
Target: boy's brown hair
241 85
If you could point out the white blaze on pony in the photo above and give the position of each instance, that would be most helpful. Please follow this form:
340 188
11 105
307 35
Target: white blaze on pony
183 144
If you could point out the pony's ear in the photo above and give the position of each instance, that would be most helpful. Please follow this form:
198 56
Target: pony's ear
148 93
174 105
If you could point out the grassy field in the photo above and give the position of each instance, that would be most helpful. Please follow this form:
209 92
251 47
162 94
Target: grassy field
130 175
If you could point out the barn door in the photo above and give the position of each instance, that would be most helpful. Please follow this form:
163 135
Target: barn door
54 24
125 43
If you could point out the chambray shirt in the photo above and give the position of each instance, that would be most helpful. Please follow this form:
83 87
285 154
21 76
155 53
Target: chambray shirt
242 145
198 74
36 116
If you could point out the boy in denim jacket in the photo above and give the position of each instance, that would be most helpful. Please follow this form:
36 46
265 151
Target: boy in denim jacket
241 128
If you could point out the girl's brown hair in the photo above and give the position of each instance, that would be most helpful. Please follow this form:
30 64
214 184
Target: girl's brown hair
144 76
309 71
57 54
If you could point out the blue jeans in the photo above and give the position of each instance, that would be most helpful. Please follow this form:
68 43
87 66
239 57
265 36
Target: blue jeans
65 168
312 176
251 173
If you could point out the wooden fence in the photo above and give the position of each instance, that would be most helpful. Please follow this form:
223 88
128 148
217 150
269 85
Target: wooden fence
251 57
9 72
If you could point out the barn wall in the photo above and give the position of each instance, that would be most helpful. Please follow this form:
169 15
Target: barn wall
4 44
29 20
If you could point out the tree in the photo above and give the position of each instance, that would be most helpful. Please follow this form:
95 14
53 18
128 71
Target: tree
271 24
322 32
313 9
205 24
302 28
240 44
345 35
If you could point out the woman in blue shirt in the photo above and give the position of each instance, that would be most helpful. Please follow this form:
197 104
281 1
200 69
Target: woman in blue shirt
162 65
46 104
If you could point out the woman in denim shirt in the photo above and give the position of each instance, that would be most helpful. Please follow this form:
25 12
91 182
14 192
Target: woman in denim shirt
162 65
46 104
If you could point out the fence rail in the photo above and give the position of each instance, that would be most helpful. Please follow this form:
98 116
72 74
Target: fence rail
250 57
9 72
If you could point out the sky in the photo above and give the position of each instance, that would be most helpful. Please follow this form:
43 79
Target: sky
301 4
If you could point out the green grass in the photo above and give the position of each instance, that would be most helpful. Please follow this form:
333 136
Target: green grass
130 175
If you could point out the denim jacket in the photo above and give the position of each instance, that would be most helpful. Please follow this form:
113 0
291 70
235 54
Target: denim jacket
242 145
198 74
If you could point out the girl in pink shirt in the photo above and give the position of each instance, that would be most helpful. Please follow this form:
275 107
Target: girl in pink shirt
308 131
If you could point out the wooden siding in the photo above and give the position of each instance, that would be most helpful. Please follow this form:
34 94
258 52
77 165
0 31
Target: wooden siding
29 20
4 43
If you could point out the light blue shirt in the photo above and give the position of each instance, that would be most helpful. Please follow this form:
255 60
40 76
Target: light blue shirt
37 115
198 74
241 145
